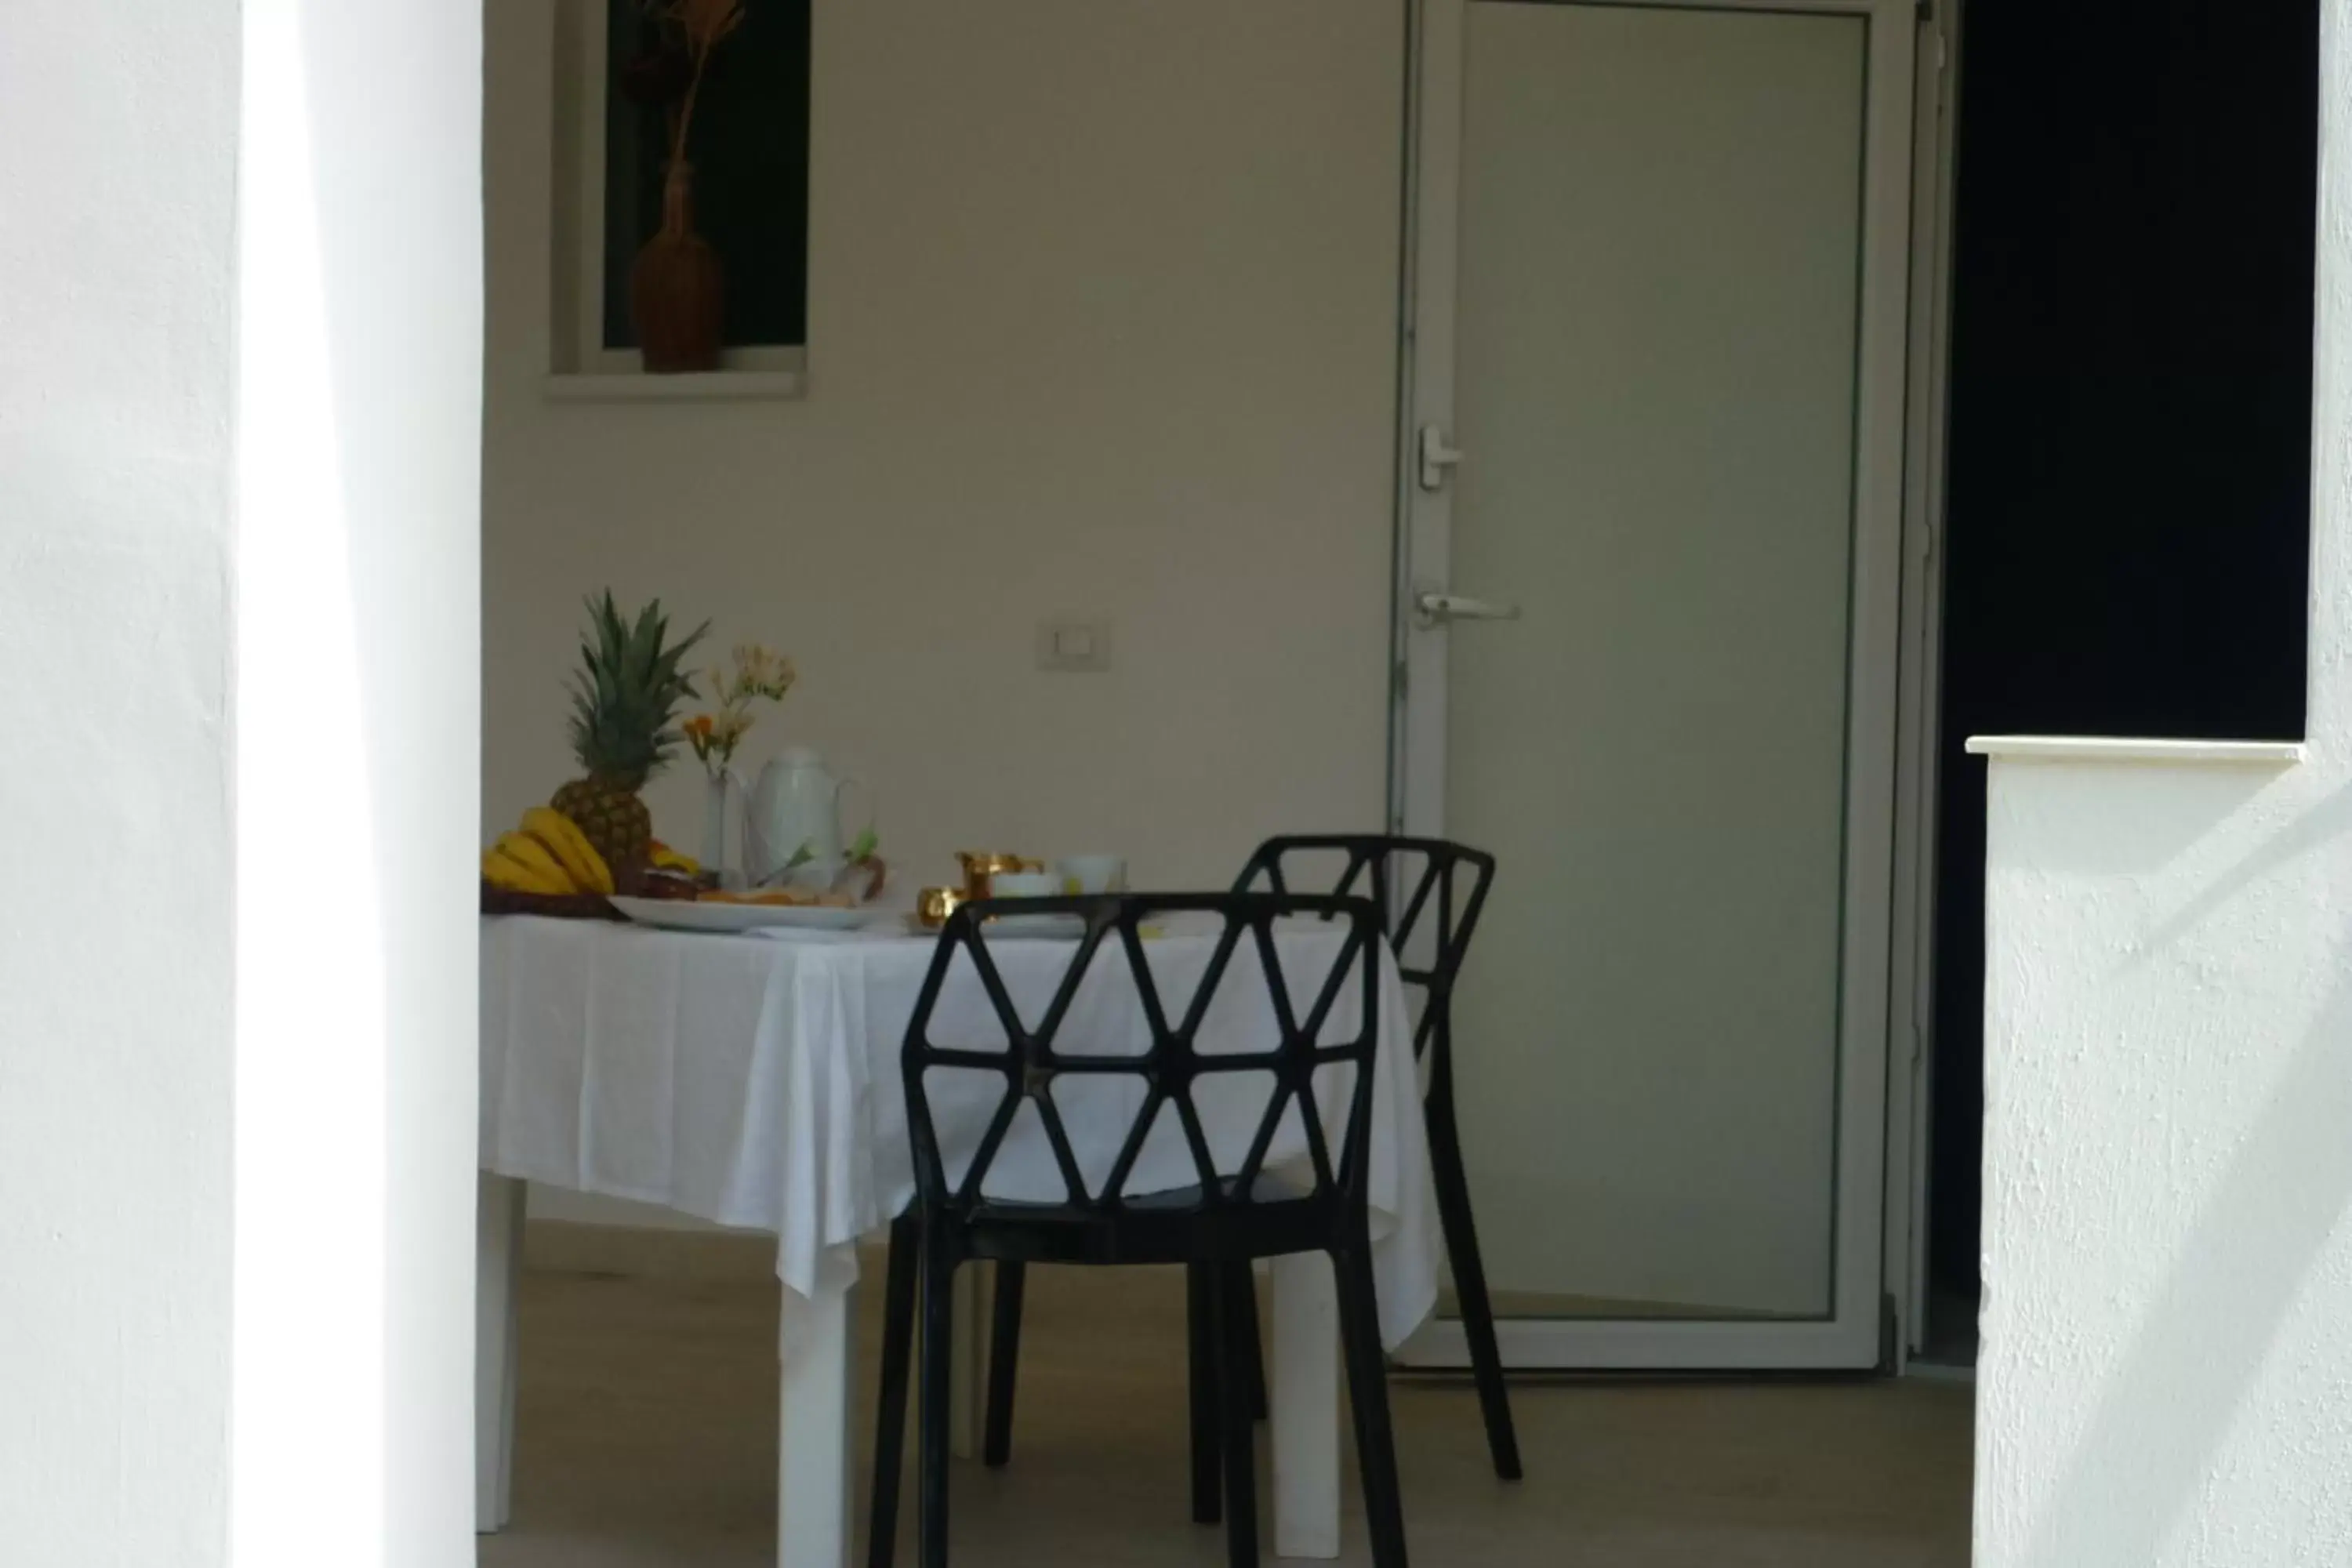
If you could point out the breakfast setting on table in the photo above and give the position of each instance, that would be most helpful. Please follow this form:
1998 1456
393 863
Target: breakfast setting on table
1025 1061
591 852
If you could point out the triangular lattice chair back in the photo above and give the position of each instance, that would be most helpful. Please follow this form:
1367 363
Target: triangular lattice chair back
1409 881
1171 1067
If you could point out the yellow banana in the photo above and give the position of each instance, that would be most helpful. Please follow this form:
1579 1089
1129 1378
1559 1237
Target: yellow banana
669 860
562 838
523 850
502 871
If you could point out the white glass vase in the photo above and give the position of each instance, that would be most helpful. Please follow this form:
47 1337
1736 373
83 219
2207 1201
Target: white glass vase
714 825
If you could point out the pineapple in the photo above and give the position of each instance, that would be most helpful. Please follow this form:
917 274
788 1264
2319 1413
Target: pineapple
624 697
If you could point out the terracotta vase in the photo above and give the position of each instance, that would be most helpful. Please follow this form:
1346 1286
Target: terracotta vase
678 296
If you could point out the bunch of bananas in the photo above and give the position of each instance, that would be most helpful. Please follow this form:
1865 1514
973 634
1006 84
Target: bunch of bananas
547 855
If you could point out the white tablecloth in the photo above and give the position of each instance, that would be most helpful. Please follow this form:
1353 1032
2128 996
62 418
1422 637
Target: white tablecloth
754 1080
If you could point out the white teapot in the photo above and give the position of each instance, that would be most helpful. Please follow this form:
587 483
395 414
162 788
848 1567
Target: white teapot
792 821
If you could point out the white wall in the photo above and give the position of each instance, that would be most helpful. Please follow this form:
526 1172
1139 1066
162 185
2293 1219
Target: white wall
1102 321
118 180
358 693
1102 314
2167 1371
240 305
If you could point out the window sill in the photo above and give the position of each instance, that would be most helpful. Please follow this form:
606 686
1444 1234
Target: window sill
2106 749
712 386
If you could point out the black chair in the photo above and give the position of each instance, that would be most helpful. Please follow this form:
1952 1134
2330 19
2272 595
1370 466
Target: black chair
1453 881
1218 1226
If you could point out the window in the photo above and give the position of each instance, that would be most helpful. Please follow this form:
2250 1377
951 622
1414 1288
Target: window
2130 525
617 94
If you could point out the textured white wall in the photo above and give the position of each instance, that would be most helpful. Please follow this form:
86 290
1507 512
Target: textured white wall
239 395
2166 1372
118 184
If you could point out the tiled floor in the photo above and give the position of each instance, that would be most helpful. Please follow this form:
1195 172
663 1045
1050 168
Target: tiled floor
646 1436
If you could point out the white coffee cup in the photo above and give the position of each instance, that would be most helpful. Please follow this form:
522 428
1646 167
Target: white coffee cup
1024 885
1089 874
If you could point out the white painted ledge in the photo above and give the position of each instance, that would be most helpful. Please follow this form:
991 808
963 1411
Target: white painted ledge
714 386
2109 748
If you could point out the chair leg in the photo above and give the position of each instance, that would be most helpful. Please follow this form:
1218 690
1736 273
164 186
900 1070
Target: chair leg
1368 1400
1234 1323
1200 1333
1253 1348
1004 1362
938 1382
891 1417
1452 1186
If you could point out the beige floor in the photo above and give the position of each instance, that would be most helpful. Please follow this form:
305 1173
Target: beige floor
646 1436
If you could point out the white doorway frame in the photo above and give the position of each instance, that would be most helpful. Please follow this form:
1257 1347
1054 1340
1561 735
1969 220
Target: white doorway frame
1919 785
1851 1337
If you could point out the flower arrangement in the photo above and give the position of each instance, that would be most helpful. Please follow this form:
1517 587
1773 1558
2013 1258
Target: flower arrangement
759 674
667 74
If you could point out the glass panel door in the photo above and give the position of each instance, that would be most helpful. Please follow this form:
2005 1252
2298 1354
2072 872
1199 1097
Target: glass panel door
1653 320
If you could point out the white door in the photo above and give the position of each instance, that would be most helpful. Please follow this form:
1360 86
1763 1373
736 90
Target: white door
1657 365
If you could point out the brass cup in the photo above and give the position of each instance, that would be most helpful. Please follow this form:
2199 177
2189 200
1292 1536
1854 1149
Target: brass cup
934 905
981 872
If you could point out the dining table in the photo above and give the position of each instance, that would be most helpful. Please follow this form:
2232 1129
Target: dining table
752 1080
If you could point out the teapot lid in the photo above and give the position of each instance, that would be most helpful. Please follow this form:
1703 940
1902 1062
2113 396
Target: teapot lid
800 757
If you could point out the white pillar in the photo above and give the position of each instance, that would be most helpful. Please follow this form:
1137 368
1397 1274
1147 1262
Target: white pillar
239 400
117 180
357 661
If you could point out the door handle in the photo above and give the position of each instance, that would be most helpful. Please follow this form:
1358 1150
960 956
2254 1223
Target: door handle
1436 457
1432 608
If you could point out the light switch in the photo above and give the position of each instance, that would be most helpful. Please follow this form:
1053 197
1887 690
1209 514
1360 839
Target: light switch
1074 647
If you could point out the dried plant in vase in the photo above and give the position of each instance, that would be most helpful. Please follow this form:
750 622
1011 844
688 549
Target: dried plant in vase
678 296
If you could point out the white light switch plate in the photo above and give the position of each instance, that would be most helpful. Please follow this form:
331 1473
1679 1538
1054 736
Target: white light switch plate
1074 647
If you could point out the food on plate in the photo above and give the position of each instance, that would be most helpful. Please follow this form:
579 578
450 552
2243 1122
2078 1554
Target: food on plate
625 695
666 859
869 875
784 898
676 886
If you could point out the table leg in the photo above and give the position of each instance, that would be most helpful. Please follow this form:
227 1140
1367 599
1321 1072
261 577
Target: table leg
817 1348
974 1290
498 1258
1306 1407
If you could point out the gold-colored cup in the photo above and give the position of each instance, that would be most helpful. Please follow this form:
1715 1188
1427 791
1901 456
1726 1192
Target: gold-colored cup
981 870
934 905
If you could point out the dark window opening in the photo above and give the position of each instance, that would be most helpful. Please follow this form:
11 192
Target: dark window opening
2130 470
749 148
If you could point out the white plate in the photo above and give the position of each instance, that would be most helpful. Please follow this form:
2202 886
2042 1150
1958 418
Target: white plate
680 914
1034 928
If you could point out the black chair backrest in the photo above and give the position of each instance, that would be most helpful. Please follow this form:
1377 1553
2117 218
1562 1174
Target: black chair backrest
1171 1066
1451 888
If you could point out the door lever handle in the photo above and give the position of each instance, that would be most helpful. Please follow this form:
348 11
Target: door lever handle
1431 608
